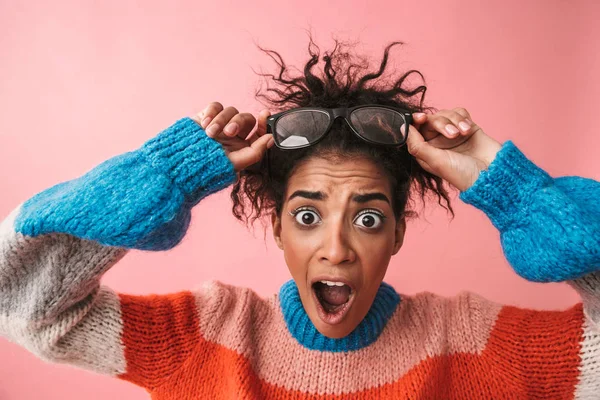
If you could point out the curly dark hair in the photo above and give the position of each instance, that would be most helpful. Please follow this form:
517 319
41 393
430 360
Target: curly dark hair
346 81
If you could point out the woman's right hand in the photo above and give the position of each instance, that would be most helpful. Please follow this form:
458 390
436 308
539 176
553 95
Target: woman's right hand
243 144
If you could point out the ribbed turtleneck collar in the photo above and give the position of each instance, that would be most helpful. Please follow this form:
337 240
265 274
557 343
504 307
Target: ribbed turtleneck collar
367 332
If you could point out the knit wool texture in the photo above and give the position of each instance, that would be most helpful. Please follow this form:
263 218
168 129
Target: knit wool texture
225 342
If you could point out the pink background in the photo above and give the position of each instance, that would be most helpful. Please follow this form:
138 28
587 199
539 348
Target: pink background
80 83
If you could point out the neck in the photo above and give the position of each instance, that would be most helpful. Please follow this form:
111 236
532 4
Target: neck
367 332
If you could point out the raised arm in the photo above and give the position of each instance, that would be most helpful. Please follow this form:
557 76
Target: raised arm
55 247
550 232
549 228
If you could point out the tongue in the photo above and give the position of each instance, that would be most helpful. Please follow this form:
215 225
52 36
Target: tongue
335 295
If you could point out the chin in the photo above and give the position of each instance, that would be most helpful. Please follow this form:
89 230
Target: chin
337 332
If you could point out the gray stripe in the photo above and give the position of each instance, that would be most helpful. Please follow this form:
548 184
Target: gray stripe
588 288
51 301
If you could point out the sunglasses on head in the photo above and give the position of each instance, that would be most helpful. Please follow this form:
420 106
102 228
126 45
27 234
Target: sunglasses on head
373 123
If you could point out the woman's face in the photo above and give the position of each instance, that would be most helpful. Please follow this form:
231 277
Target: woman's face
338 232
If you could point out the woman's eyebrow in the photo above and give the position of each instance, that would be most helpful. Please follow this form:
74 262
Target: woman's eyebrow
363 198
308 194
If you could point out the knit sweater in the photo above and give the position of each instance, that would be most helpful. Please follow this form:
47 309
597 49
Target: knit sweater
226 342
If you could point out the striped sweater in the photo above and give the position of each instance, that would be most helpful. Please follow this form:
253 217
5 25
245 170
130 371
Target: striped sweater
226 342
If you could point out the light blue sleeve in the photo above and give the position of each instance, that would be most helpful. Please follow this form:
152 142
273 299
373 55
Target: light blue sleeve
138 200
56 246
549 228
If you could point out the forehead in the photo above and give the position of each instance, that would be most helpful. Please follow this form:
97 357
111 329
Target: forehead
339 176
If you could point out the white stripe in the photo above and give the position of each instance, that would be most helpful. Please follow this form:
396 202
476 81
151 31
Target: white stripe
589 381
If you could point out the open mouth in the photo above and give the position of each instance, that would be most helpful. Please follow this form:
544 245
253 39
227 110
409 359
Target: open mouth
333 300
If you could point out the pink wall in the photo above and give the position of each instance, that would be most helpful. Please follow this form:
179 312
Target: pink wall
80 83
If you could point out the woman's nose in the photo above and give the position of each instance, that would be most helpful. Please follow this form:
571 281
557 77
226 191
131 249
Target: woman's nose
336 248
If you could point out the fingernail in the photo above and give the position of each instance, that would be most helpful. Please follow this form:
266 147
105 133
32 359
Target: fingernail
213 129
451 129
464 125
206 121
231 128
270 143
418 115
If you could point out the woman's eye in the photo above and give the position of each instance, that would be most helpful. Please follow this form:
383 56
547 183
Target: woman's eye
306 217
369 220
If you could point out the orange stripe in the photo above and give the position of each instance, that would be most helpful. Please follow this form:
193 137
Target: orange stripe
159 334
537 354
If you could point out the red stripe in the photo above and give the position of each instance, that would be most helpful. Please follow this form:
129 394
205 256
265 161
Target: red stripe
159 334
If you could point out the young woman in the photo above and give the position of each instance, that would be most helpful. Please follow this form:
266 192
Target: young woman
344 155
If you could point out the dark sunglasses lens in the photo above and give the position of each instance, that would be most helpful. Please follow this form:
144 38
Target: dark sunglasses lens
380 125
301 127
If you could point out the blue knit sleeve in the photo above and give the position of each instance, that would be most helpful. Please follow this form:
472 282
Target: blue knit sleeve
549 228
141 199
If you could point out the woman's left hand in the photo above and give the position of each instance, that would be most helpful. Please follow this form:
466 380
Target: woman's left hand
450 145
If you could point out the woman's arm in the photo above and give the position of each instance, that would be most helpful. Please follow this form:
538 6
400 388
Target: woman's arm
549 228
550 232
55 247
586 194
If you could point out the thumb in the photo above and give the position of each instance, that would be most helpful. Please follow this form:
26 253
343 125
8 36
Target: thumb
428 156
419 119
252 154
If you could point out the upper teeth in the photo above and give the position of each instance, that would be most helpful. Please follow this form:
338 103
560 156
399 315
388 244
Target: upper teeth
330 283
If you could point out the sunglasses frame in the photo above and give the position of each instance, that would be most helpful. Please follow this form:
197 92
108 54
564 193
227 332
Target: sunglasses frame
334 114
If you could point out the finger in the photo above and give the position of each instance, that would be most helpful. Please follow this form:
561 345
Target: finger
262 122
442 124
419 119
463 112
460 119
252 154
240 125
261 125
215 128
210 111
428 156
